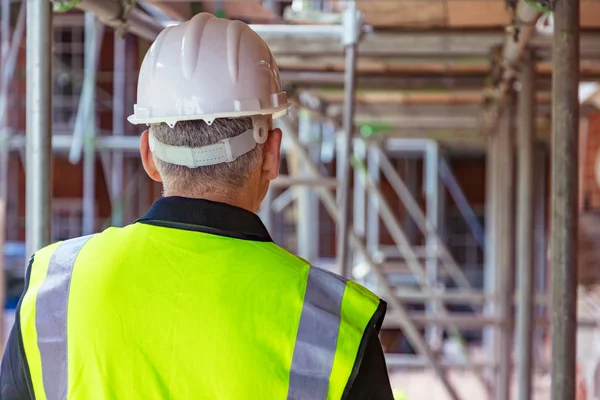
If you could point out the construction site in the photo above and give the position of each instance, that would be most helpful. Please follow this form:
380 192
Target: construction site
443 153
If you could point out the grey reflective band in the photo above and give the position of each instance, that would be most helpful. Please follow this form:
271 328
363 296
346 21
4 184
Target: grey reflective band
317 336
51 318
226 150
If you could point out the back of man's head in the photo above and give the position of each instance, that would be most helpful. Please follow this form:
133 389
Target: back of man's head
223 177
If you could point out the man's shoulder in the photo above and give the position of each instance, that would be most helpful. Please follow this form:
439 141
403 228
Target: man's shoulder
46 252
114 234
281 254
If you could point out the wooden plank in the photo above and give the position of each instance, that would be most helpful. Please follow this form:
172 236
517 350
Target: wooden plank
374 65
478 14
417 110
416 98
590 69
385 13
590 14
413 43
406 13
586 68
493 13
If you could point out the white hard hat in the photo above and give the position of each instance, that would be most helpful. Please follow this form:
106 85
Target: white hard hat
208 68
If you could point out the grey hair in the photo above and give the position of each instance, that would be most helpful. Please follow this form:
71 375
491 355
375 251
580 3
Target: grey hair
233 175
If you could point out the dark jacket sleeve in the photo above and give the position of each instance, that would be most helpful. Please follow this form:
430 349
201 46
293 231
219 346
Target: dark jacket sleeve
15 381
372 381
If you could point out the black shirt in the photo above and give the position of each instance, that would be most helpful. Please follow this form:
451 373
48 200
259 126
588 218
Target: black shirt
369 379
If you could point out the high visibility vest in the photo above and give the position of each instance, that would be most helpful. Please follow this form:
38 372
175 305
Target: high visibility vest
147 312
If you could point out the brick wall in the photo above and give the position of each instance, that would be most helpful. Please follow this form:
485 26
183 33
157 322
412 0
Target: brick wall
590 149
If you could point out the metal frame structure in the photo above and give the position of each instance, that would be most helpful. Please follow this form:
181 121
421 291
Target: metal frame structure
564 195
368 163
39 124
525 221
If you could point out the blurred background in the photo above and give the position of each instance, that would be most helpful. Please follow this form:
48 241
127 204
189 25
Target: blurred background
409 117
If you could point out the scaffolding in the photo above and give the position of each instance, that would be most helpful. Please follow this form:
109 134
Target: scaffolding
352 195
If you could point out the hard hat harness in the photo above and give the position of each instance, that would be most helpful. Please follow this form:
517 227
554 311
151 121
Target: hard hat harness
227 150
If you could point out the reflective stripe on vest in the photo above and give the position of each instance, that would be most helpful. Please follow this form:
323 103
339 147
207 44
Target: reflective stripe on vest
317 336
51 318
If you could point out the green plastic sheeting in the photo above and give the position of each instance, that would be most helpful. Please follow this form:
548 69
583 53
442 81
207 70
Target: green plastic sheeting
373 129
61 6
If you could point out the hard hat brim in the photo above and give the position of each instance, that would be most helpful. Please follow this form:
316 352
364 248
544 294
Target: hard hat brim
276 112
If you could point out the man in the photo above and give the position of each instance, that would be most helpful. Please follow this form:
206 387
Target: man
194 301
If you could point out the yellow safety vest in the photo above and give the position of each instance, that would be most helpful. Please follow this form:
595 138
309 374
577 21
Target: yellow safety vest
149 312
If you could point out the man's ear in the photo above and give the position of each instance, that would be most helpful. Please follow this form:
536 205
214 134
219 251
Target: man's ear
272 155
147 160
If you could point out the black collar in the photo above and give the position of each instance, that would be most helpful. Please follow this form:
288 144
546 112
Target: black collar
206 216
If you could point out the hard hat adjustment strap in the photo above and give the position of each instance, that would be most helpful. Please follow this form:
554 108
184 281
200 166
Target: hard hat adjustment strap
227 150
